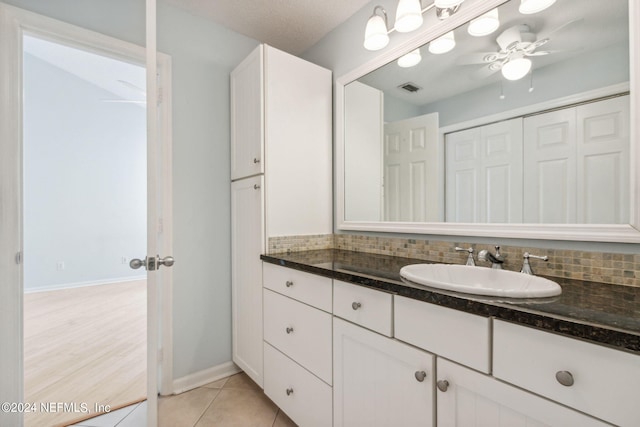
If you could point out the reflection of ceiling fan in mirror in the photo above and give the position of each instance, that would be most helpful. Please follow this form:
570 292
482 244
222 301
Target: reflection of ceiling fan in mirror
141 92
517 44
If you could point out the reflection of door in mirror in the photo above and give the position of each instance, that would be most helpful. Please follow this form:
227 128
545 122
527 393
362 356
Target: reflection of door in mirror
484 173
411 169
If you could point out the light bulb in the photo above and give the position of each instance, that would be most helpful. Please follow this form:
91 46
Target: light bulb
408 16
375 34
484 24
410 59
442 44
517 68
528 7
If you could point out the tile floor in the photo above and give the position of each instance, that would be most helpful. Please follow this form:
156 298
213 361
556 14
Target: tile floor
235 401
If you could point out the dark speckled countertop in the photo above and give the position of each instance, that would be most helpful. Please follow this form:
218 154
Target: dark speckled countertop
602 313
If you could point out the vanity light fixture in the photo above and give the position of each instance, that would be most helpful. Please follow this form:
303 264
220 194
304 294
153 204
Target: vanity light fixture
376 35
408 18
442 44
516 68
484 24
410 59
528 7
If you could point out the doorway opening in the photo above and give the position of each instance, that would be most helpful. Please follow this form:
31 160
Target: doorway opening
85 218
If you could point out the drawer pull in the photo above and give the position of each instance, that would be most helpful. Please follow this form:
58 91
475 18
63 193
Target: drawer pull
356 305
289 391
443 385
289 330
420 375
256 160
565 378
289 283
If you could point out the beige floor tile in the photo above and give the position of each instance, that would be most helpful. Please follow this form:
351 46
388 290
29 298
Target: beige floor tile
240 408
217 384
282 420
241 381
184 410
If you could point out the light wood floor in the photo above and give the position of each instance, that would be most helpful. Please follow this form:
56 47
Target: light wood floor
84 345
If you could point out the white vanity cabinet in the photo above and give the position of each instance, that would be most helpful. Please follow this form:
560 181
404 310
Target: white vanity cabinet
379 381
281 172
297 344
469 398
591 378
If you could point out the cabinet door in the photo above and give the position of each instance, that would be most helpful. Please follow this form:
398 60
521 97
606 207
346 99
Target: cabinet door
247 243
247 136
476 400
379 381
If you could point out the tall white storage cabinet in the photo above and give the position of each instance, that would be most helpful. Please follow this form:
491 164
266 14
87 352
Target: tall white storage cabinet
281 112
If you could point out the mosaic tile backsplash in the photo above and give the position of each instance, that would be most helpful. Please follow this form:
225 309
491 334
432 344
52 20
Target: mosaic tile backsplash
613 268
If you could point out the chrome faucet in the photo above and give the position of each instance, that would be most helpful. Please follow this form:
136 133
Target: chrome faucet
496 259
526 267
470 260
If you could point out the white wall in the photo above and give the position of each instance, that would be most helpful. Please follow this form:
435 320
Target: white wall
84 181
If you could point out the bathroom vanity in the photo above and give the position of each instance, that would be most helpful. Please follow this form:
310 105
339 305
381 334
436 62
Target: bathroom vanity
403 354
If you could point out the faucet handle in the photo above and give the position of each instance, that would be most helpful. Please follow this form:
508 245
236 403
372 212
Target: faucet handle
526 266
470 260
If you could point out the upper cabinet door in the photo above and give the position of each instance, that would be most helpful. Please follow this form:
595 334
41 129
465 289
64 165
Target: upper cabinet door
247 117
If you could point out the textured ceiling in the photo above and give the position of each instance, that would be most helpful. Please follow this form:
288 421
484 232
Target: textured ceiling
289 25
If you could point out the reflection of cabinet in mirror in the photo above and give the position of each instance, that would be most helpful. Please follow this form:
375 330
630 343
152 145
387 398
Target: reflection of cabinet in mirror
563 166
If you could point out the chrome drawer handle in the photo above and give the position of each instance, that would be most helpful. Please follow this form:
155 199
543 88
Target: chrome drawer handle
289 391
289 283
443 385
289 330
565 378
256 187
356 305
420 375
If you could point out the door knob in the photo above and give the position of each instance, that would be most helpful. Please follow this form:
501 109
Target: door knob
151 263
443 385
166 261
420 375
137 263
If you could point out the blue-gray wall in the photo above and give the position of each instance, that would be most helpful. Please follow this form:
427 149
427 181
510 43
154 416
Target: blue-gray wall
84 181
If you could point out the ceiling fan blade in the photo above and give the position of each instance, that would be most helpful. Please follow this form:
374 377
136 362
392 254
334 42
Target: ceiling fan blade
477 58
132 86
508 37
484 72
549 34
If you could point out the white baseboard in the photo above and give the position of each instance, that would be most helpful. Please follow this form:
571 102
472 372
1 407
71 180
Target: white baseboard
198 379
83 284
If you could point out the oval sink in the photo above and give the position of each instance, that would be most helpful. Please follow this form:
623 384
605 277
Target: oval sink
480 280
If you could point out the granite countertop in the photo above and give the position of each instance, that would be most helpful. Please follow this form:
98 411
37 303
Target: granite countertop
602 313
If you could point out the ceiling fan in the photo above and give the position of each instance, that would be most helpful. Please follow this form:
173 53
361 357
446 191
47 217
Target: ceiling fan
516 44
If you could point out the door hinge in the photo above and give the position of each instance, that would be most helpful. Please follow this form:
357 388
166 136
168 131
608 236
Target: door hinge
19 258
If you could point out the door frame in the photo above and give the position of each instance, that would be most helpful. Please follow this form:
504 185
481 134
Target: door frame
14 22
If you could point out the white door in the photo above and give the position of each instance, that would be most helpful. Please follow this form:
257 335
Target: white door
378 381
484 174
247 243
15 23
467 398
411 169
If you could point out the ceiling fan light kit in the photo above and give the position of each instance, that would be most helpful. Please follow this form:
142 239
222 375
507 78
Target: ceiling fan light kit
516 68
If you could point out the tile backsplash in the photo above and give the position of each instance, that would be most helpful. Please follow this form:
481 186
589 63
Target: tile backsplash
612 268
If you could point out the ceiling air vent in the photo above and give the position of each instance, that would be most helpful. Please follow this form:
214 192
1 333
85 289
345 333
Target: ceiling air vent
410 87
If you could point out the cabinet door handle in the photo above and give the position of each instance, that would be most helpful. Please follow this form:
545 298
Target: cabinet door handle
289 391
289 330
256 187
565 378
420 375
443 385
256 160
289 283
356 305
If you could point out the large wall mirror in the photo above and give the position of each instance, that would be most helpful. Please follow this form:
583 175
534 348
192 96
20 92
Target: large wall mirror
523 132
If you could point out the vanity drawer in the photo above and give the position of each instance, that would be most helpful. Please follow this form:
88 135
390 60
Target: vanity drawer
453 334
366 307
301 395
605 381
300 331
309 288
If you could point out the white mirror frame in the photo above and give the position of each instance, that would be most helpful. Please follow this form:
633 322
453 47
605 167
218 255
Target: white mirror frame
623 233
